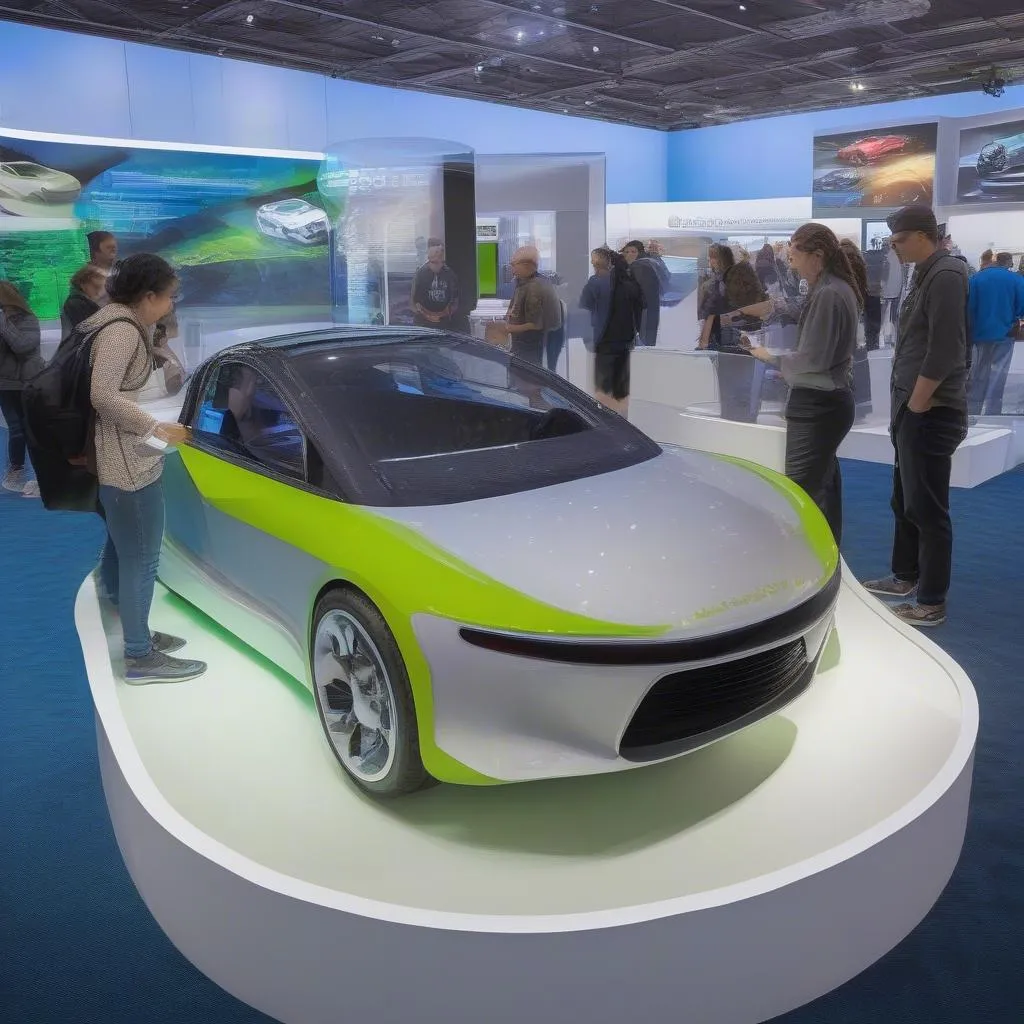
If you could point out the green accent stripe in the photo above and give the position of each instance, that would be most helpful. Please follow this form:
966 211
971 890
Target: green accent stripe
815 525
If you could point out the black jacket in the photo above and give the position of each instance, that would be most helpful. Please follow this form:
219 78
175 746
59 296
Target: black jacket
78 307
19 348
625 311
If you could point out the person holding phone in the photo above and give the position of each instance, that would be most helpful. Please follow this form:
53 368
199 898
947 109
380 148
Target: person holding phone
129 445
820 409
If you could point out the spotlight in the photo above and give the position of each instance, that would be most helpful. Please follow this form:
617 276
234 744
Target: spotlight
857 86
250 19
597 49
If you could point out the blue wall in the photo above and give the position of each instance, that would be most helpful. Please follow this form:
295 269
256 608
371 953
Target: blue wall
772 158
66 83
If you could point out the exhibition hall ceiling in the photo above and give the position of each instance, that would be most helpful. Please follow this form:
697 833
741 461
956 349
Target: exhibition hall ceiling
653 63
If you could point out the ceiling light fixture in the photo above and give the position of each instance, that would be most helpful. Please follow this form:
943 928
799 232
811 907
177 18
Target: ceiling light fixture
250 18
857 86
743 7
597 49
520 36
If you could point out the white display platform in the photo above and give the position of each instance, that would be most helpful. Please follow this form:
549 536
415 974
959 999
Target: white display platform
674 399
728 886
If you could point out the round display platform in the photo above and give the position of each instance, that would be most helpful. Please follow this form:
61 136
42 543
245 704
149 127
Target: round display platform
730 885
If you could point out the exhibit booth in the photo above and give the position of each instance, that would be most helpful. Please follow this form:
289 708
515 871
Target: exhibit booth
769 856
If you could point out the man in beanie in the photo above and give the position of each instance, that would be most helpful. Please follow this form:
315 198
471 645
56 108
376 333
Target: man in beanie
928 419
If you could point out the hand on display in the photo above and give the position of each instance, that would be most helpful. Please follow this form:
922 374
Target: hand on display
172 433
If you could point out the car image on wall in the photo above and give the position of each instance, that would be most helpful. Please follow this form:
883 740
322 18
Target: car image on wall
293 220
28 182
877 147
482 575
1001 165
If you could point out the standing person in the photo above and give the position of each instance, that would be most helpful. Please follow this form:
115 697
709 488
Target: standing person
435 289
820 409
19 360
928 418
534 310
129 469
88 292
995 304
102 254
876 264
616 332
646 275
596 296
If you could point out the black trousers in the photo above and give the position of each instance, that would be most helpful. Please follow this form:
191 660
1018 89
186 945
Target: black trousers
10 406
816 424
922 547
872 321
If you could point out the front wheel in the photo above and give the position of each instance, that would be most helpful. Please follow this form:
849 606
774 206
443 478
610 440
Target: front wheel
363 696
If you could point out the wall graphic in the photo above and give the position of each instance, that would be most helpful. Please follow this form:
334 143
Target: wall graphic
242 230
991 164
873 171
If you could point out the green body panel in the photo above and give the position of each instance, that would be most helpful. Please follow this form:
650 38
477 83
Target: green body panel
816 528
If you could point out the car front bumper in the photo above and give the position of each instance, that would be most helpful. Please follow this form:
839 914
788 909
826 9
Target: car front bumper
511 713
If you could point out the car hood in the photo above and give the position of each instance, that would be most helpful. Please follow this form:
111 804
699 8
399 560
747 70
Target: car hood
686 542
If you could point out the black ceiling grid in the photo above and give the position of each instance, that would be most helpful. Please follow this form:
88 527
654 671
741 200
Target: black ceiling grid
663 64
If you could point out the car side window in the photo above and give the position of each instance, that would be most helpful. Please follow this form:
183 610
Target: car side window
241 413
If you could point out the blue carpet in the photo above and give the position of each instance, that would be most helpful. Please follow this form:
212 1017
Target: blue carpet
78 946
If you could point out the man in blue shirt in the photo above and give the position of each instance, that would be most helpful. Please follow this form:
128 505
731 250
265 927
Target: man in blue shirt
995 304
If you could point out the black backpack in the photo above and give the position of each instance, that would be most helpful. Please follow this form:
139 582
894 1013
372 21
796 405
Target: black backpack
60 422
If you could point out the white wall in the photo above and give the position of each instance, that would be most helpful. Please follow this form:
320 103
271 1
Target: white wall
83 85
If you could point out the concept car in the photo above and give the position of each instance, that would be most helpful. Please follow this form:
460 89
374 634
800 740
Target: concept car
293 220
842 180
877 147
1001 165
34 183
482 574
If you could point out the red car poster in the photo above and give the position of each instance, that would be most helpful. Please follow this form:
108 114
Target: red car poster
874 170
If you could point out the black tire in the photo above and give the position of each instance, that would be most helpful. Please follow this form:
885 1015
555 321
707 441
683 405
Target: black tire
406 773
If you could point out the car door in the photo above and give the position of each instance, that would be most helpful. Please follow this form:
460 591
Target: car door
248 451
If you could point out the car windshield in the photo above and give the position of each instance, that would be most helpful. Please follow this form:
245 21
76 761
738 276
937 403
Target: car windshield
28 170
442 418
291 206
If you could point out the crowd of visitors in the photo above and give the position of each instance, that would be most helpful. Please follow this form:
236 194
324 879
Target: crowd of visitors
954 342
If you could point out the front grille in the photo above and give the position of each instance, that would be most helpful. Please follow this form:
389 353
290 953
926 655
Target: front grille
702 702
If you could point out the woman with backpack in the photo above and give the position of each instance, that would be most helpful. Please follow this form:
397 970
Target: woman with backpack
129 462
19 360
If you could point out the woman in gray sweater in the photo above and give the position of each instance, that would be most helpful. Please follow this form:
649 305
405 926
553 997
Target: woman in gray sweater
129 462
820 410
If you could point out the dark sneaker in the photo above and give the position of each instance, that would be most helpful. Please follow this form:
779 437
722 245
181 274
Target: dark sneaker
164 643
921 614
890 587
161 668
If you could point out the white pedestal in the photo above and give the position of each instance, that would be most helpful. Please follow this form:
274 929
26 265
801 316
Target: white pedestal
728 886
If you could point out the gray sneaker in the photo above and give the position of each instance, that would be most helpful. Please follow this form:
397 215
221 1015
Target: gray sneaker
165 643
889 586
921 614
157 667
14 480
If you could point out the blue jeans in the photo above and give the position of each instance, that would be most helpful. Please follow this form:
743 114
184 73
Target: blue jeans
990 364
135 528
10 406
